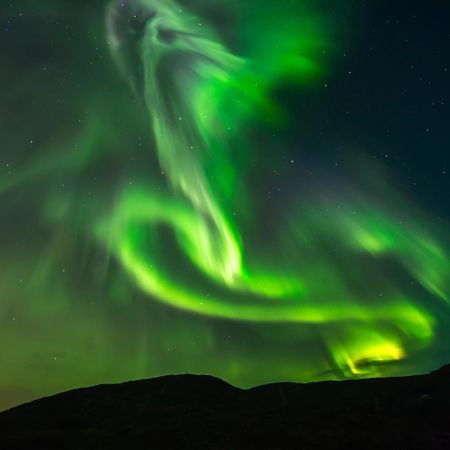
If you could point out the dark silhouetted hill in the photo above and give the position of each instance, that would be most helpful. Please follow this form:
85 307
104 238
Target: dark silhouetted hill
190 412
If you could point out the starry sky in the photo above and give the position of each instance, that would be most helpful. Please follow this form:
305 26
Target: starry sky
253 190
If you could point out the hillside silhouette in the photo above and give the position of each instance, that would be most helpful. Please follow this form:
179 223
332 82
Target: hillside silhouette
205 413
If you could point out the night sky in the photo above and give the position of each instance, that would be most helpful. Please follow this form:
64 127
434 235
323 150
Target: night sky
253 190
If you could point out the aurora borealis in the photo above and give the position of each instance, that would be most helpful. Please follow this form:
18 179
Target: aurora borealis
253 190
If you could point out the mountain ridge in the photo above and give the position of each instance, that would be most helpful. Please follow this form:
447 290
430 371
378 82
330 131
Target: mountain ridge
203 412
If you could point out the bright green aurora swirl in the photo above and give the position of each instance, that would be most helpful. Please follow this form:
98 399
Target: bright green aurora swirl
203 100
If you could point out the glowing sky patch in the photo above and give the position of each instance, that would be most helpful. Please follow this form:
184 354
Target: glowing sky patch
147 229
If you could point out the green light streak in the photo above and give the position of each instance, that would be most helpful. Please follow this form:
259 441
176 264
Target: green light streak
202 98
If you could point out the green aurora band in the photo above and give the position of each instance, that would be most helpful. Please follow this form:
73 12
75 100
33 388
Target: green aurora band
201 98
145 246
